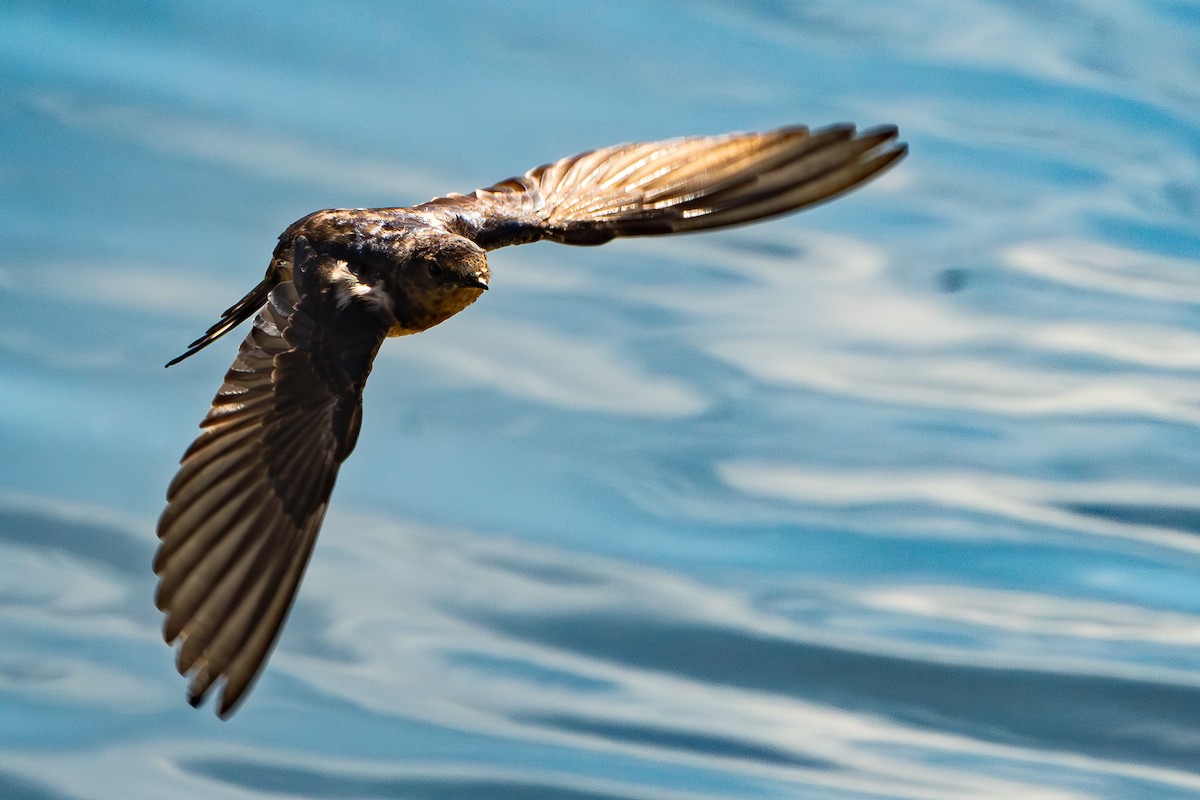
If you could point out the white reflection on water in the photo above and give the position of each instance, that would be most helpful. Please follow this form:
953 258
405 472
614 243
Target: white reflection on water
260 153
1047 506
549 367
1038 614
1114 270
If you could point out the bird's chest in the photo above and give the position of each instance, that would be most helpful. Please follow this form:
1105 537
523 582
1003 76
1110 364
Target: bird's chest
428 307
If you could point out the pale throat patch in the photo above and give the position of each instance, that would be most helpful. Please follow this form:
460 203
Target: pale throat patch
349 288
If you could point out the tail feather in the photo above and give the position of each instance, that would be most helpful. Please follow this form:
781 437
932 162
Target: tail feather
233 316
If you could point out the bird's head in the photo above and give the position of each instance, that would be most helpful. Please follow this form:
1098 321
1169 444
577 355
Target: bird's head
441 276
455 262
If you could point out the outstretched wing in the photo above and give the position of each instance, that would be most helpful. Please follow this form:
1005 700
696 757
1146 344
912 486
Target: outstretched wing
244 509
672 186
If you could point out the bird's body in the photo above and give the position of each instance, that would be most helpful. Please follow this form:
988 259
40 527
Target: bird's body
244 510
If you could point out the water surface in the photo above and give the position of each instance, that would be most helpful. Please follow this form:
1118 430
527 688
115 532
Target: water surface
891 499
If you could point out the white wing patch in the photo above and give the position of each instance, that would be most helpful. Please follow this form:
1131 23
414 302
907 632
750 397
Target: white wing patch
349 288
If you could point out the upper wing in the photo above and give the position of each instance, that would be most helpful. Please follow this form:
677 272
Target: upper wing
244 509
671 186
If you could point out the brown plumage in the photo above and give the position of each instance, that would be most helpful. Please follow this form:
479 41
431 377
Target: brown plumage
244 510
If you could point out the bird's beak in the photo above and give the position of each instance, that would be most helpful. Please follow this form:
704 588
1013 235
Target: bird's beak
476 282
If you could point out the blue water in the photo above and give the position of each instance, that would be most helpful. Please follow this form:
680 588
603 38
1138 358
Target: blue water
895 498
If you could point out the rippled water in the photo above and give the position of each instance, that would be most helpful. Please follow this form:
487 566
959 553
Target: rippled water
894 498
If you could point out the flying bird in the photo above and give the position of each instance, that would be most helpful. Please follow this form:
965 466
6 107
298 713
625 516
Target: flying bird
244 509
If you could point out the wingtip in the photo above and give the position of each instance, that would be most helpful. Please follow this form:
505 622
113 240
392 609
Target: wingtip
884 137
837 127
884 132
893 154
228 707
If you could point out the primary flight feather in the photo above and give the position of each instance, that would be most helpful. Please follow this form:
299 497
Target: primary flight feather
244 509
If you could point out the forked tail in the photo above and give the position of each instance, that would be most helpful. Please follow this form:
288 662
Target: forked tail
233 316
